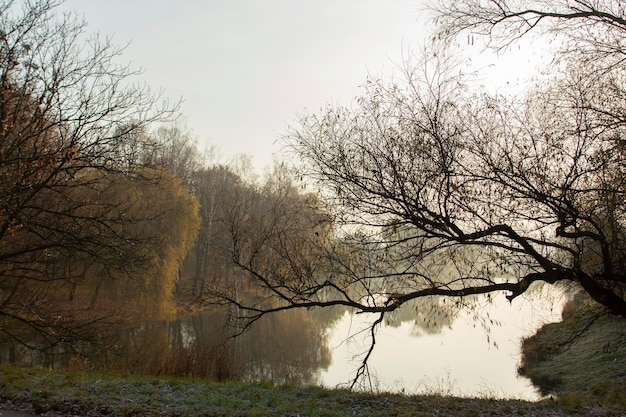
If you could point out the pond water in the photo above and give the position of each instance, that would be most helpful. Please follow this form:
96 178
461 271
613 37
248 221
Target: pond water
433 353
462 358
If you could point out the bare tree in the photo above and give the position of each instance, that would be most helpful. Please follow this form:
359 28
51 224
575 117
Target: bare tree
535 185
442 190
583 102
175 148
594 27
70 119
217 188
267 230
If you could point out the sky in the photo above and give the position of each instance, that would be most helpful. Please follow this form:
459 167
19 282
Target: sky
245 69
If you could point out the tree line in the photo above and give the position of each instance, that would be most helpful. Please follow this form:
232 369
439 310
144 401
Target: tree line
108 209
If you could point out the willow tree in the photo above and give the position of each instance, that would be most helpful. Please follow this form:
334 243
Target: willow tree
159 220
69 117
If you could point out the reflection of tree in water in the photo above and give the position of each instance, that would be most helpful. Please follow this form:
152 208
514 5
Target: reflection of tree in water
327 317
429 315
286 348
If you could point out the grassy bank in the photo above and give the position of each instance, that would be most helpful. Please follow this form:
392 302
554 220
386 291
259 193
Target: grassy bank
581 359
72 394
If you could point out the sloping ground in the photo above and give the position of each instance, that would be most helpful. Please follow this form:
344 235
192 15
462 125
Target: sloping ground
70 394
581 359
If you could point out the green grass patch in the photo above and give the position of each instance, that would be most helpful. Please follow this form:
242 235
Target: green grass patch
67 393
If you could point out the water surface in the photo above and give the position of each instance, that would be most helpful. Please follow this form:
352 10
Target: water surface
423 348
462 358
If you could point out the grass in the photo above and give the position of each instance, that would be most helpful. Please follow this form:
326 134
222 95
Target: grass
91 394
576 362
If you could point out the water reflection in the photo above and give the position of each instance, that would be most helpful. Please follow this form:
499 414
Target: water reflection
463 358
303 347
428 315
287 348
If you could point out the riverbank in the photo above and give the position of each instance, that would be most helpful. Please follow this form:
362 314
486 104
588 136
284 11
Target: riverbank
56 393
581 359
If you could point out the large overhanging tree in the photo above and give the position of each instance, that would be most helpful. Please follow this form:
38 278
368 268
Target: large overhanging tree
580 115
442 190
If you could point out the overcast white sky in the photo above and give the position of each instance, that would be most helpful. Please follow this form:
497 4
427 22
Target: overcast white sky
246 68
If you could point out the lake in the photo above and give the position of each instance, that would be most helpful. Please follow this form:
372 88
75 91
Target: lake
462 358
419 349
